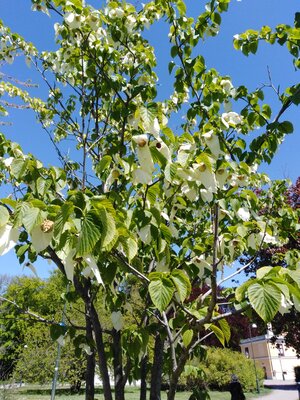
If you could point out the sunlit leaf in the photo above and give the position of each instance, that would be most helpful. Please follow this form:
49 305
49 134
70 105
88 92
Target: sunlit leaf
161 292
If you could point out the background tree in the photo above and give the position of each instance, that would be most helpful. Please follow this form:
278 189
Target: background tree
136 202
28 307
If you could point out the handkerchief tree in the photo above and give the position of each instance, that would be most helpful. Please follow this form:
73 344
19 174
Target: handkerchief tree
140 209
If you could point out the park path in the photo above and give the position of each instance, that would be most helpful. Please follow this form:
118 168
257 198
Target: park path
281 390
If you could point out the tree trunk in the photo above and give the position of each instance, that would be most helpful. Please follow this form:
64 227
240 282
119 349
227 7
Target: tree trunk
156 370
143 389
118 365
177 372
84 291
101 353
90 368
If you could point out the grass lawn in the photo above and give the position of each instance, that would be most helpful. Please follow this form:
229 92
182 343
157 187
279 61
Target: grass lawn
43 393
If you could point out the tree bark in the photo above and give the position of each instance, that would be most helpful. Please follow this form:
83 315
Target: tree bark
156 371
101 353
143 389
84 291
90 369
118 365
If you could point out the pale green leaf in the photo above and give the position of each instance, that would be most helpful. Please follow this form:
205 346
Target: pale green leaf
109 231
262 272
225 329
132 248
4 216
293 274
182 284
32 218
21 211
240 291
219 334
61 219
148 114
19 167
187 337
161 292
90 233
265 300
104 164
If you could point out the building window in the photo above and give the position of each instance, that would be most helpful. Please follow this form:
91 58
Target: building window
280 349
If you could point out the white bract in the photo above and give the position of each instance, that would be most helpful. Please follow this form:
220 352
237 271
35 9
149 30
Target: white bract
68 262
144 173
85 347
74 21
8 238
202 174
231 119
40 240
285 305
162 148
244 214
92 270
212 141
116 13
227 86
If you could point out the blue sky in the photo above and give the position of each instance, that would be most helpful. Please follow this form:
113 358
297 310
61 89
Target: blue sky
218 52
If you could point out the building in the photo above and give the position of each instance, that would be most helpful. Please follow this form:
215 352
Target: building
275 359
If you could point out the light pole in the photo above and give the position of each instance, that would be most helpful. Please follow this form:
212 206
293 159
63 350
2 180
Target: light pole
255 370
279 348
57 361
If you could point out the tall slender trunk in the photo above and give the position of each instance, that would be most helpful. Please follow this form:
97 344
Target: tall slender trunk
101 353
143 389
118 365
177 373
90 368
83 287
156 370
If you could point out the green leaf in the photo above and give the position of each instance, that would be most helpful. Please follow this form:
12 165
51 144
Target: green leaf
161 292
174 51
181 7
166 232
265 300
220 335
297 20
261 272
42 185
240 292
104 163
61 219
148 114
90 233
4 216
131 248
169 133
109 231
22 249
182 284
19 167
32 218
187 337
293 274
225 329
286 127
21 211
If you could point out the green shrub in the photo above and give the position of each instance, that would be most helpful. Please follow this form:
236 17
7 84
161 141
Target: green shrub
215 371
